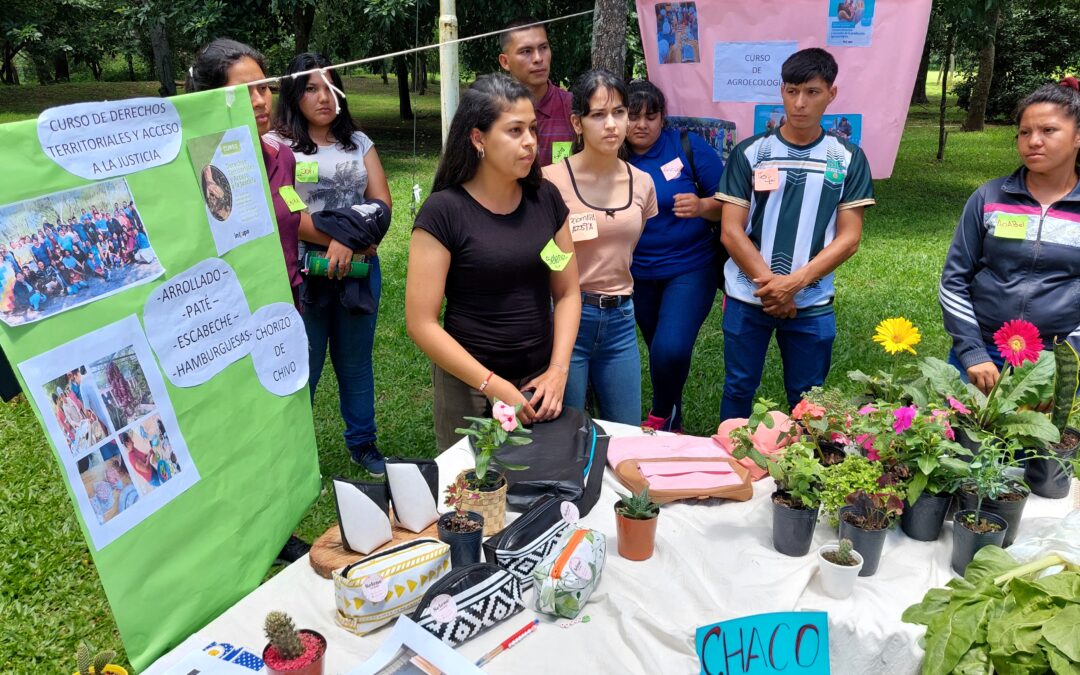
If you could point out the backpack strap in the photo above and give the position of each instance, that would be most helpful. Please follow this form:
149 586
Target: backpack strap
688 150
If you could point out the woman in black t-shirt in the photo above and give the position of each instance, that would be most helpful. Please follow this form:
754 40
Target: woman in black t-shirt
492 239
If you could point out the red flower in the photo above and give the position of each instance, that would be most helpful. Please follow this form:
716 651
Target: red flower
1018 341
805 408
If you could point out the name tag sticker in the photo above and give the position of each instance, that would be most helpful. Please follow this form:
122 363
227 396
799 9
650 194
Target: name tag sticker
292 200
583 226
672 169
554 257
766 180
560 150
307 172
1011 226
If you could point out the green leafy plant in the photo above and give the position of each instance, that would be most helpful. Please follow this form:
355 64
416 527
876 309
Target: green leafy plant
840 480
87 662
798 474
1000 617
825 415
488 435
1006 412
637 507
873 510
282 634
742 443
458 495
1066 382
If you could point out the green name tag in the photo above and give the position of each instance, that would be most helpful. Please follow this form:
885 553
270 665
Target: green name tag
307 172
560 150
1011 227
554 257
292 200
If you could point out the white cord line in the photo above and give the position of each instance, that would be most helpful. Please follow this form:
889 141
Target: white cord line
371 59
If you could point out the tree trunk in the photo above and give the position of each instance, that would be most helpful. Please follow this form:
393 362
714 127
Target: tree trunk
41 68
947 61
918 96
980 93
609 36
60 65
423 73
96 69
131 66
9 74
401 68
303 19
382 71
163 65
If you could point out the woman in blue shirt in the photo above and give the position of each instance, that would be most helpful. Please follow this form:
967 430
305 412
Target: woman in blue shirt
674 268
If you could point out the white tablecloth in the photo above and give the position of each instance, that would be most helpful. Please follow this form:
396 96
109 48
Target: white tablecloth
714 561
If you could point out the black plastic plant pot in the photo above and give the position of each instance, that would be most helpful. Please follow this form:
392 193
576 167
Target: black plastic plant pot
924 519
1010 510
1048 477
464 546
869 543
793 529
833 451
966 543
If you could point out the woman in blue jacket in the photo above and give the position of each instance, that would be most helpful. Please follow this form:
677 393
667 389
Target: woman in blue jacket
674 268
1016 251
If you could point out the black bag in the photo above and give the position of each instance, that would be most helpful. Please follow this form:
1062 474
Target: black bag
484 594
525 542
566 460
721 252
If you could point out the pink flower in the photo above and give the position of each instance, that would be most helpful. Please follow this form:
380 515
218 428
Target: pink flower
958 406
805 408
867 409
904 416
873 455
866 442
949 433
1018 341
505 415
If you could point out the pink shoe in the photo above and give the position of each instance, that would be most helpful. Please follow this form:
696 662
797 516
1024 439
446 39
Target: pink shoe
659 424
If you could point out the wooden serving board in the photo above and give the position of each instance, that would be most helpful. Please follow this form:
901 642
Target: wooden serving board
328 553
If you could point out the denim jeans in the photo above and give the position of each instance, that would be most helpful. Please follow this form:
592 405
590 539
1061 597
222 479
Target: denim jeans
606 356
670 313
350 338
805 349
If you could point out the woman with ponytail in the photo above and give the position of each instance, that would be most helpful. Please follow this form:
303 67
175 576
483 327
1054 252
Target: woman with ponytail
1016 252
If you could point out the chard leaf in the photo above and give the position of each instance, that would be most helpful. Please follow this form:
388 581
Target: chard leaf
1061 664
951 634
1063 632
933 603
989 562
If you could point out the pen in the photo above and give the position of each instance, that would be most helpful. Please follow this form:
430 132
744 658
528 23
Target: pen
509 642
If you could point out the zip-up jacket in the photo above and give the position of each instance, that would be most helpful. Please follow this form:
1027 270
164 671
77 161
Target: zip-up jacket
1009 260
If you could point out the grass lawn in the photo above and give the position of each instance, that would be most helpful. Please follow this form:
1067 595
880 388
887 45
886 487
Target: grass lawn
50 595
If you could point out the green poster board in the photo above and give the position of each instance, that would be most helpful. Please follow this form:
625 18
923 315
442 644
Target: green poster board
254 451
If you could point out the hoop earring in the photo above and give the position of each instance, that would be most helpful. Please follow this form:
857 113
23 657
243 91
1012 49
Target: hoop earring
480 152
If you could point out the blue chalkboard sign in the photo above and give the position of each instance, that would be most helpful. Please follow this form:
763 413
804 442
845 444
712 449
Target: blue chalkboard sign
794 643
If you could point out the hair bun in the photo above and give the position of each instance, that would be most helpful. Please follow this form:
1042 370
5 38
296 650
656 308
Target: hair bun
1070 82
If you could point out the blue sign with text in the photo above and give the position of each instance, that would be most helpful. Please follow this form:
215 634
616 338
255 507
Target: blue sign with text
794 643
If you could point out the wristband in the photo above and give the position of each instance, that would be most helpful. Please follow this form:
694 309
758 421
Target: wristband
487 380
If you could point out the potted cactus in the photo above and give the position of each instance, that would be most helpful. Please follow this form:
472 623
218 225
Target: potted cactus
101 663
635 525
840 565
291 651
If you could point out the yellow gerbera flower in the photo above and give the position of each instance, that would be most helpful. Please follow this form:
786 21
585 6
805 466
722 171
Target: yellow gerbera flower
897 335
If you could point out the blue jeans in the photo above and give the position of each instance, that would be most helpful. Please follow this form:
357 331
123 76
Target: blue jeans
991 349
670 313
805 349
606 355
350 337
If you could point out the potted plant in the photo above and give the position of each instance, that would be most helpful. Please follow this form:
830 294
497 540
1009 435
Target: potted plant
635 525
101 663
798 476
486 436
865 521
291 651
460 528
839 565
840 480
993 485
825 416
1049 477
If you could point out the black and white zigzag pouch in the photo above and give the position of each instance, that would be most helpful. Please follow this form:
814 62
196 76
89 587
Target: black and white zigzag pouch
481 595
525 542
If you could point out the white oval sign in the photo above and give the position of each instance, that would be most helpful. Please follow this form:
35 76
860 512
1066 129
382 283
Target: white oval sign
111 138
374 587
570 512
443 608
580 568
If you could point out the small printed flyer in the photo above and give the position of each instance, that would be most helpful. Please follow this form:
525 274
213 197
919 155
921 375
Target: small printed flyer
850 23
108 413
230 178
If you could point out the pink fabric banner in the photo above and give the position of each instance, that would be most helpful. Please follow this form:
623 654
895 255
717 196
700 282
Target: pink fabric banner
718 64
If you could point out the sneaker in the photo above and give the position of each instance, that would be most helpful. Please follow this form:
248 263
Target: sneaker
660 424
293 550
368 456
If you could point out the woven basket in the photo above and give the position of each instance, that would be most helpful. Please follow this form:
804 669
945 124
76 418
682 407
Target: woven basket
491 505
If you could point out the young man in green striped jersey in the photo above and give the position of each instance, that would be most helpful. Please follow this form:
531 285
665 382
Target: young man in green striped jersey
793 212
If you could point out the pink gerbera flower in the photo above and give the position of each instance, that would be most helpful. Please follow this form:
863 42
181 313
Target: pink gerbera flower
904 416
958 406
1018 341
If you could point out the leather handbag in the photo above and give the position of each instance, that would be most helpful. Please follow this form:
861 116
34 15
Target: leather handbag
521 546
565 460
670 479
483 596
407 571
566 579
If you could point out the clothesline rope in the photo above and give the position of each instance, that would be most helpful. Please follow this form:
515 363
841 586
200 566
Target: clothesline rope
372 59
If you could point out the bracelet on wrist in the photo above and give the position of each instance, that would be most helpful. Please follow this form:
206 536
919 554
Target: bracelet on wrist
487 381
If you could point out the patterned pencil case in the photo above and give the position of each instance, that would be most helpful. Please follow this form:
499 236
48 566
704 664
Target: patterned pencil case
566 579
521 546
405 572
483 595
